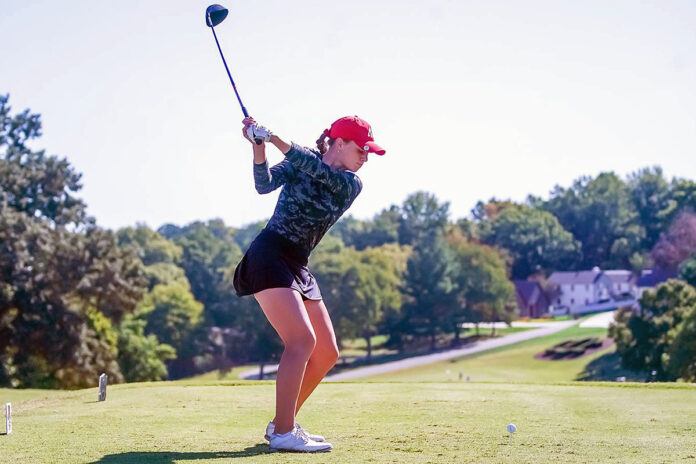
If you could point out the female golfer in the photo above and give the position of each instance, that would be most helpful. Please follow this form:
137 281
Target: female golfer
318 187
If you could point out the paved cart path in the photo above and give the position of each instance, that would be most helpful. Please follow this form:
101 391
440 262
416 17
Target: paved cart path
599 320
453 353
547 329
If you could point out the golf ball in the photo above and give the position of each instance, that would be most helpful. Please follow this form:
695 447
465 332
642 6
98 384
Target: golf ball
511 428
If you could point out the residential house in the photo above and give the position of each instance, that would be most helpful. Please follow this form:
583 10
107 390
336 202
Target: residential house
531 299
623 283
651 278
585 291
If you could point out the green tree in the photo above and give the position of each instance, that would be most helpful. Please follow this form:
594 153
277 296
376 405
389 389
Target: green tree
487 212
680 360
52 281
349 230
169 311
534 239
172 314
232 329
683 193
643 339
142 357
34 183
468 228
600 213
423 218
651 197
382 229
427 286
429 290
363 286
687 271
208 250
483 291
150 246
209 255
64 280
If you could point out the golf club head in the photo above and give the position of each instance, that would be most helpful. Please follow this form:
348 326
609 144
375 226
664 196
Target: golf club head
215 14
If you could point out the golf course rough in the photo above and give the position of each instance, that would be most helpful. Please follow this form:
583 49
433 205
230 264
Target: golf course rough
410 422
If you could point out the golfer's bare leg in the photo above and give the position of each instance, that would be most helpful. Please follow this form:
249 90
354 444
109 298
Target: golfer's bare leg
325 352
284 309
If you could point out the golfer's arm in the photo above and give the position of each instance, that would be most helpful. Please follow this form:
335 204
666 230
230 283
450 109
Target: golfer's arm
259 153
267 180
280 144
305 161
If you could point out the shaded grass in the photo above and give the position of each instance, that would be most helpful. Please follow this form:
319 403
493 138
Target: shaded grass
420 422
608 367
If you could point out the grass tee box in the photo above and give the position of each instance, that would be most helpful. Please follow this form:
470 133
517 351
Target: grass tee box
421 422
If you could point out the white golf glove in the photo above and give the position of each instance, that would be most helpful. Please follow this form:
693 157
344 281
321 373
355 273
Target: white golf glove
256 132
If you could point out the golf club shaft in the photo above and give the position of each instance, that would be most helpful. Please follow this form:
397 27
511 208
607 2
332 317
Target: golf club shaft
246 114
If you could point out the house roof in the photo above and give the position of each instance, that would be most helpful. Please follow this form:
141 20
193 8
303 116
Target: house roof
577 277
619 276
653 277
616 276
529 292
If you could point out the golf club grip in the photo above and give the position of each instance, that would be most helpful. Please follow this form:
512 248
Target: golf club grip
246 114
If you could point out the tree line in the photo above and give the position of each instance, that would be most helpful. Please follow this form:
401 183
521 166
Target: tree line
77 300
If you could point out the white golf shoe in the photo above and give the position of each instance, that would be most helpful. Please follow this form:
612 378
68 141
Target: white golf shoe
270 428
297 441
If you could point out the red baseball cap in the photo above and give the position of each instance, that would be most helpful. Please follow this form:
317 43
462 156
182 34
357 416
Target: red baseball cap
357 130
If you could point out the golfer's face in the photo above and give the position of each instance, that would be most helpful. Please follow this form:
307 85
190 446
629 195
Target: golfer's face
357 156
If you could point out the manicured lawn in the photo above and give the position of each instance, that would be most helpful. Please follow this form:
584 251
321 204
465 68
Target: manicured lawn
414 422
420 415
358 346
217 375
513 363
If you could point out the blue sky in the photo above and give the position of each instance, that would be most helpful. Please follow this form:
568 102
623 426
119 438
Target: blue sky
471 99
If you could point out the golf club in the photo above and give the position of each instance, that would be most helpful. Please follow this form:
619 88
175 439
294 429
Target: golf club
214 15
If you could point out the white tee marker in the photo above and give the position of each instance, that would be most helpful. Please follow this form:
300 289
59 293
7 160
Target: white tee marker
102 387
8 418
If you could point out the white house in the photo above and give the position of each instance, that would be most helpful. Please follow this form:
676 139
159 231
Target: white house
585 291
623 283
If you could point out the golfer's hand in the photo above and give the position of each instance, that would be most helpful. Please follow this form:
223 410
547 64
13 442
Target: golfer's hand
257 133
248 122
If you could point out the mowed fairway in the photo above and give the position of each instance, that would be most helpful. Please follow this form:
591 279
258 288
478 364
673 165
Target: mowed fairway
511 363
414 422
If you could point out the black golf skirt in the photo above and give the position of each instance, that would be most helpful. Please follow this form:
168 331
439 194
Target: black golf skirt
273 261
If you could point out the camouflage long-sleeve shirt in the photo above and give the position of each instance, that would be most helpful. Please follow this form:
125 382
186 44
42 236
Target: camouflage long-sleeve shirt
313 198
